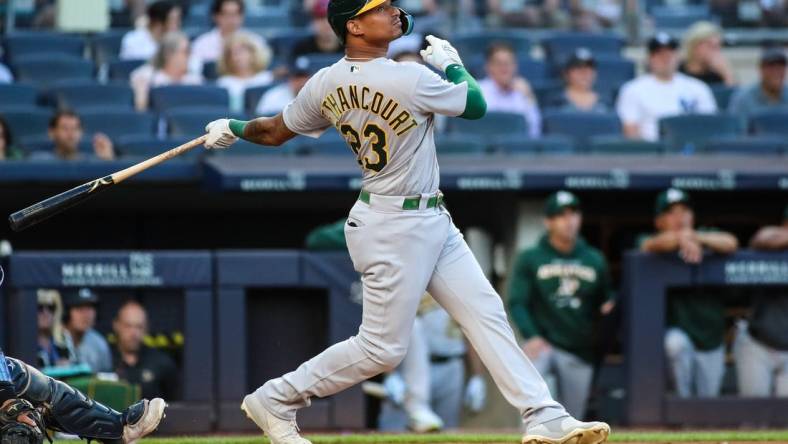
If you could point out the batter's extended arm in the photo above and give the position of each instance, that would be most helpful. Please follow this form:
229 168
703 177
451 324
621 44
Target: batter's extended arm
270 131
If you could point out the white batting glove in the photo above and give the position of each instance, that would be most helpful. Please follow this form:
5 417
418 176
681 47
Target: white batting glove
476 393
440 53
219 134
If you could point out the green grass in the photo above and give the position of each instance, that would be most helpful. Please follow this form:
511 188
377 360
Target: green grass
649 437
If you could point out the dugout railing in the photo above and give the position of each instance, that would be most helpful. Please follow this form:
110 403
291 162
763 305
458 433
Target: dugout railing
645 282
126 274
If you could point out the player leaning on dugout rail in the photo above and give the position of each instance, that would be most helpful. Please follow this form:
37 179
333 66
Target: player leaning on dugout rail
400 236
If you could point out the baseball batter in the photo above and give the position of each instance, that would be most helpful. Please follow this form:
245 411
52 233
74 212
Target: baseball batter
401 238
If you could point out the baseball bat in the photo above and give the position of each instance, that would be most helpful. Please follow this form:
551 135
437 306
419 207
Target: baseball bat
57 204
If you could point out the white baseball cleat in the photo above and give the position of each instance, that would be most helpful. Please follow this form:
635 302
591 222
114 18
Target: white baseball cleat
278 430
424 420
142 419
567 430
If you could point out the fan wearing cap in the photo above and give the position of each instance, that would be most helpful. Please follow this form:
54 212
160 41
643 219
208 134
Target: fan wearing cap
761 345
579 76
770 92
663 92
79 319
558 292
696 319
275 99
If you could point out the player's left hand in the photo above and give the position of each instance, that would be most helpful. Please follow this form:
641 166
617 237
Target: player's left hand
19 410
219 134
440 53
476 393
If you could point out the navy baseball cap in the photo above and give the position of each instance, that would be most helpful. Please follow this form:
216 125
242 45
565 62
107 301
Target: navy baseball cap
74 297
302 66
773 55
662 40
580 57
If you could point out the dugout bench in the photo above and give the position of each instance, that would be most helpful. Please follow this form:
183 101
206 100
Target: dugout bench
645 281
184 275
276 309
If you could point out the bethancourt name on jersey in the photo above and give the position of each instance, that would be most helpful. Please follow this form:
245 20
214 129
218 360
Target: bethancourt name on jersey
353 97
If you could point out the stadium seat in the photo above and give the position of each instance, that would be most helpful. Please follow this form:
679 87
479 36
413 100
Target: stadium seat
166 97
770 122
580 126
319 61
190 121
252 97
144 146
478 42
105 47
494 123
46 69
330 143
679 17
547 91
121 69
689 132
533 70
42 144
268 21
83 95
210 70
16 94
622 145
722 95
283 41
26 121
612 72
545 145
246 148
25 44
460 144
559 46
746 145
117 123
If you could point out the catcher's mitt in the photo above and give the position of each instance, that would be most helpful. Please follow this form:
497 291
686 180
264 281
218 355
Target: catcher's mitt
15 432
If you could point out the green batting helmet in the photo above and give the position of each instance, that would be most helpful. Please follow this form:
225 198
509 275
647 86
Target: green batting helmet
340 11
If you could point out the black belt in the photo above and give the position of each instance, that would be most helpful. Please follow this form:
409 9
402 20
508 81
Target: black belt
442 359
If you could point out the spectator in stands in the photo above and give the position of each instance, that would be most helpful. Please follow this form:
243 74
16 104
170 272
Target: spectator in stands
662 92
275 99
7 149
696 319
136 363
704 58
529 13
595 15
761 345
54 346
80 318
505 90
65 132
770 92
579 77
5 74
323 41
559 290
228 16
170 66
244 64
163 16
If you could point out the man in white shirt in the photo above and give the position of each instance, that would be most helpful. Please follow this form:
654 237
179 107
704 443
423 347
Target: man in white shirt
664 92
141 44
228 16
275 99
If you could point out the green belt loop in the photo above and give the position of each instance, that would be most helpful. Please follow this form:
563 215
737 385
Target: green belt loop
364 196
411 203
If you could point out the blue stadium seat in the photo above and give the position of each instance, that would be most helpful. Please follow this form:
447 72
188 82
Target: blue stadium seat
460 144
533 70
46 69
679 17
722 95
166 97
268 21
252 97
210 70
746 145
26 121
318 61
246 148
478 42
82 95
144 146
24 44
105 47
547 91
190 121
117 123
773 121
330 143
559 46
612 72
121 69
43 144
580 126
622 145
545 145
16 94
689 132
494 123
283 41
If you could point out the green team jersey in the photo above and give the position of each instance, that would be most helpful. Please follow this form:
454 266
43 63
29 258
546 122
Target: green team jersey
330 237
558 296
698 312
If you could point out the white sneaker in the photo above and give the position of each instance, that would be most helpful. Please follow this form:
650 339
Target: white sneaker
424 420
567 430
142 419
278 430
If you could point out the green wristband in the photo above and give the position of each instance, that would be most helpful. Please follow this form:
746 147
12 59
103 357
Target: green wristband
237 127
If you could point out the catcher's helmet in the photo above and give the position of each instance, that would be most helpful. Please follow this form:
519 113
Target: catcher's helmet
340 11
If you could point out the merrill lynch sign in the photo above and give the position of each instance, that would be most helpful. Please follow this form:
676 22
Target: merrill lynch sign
756 272
137 270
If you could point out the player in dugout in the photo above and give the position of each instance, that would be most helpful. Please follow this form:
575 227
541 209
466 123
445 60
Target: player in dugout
31 403
400 236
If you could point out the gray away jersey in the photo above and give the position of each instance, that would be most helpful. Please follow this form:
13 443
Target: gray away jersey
385 112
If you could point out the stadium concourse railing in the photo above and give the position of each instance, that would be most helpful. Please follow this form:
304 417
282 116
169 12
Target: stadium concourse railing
645 282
